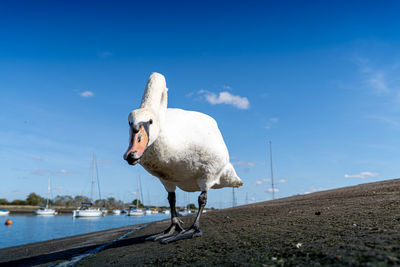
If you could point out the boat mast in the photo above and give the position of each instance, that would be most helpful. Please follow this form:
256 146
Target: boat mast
48 193
97 175
272 171
138 186
141 191
91 192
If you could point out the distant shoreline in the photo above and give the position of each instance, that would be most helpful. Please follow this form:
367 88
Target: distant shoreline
21 209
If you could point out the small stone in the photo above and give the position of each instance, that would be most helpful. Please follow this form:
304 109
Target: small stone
317 213
298 245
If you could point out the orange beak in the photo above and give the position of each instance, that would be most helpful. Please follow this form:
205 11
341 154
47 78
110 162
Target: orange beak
137 145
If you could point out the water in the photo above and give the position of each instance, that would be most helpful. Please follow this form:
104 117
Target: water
30 228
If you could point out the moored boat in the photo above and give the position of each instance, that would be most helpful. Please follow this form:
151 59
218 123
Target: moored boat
116 212
86 210
167 211
148 211
154 211
4 212
133 211
45 210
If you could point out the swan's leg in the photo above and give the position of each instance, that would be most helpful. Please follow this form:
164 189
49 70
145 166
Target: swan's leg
175 226
194 230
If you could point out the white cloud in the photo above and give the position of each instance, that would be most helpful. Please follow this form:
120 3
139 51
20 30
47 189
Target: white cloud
40 171
268 180
33 158
244 163
190 94
264 180
63 171
376 79
362 175
226 98
253 199
378 82
273 190
386 120
86 94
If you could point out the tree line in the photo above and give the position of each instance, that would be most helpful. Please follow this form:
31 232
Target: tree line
34 199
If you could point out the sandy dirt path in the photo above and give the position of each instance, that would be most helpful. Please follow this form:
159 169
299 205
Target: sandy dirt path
357 225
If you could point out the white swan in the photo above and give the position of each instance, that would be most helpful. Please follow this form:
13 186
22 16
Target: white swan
182 148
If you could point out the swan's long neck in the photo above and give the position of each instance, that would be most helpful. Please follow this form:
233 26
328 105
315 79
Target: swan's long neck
155 96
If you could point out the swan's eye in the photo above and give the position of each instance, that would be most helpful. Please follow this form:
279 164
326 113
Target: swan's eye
151 121
130 123
139 138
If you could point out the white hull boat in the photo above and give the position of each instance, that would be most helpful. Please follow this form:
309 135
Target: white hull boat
166 212
88 212
45 211
116 212
87 209
135 212
4 212
184 212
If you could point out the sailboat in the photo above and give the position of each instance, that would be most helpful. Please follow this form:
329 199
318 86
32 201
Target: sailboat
116 212
4 212
134 210
45 210
166 211
87 209
148 211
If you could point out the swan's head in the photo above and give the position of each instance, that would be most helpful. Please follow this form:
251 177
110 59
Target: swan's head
143 131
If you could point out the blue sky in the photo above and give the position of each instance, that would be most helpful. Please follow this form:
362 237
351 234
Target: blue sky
319 79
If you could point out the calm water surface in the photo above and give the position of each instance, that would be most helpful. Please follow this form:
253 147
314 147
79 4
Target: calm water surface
29 229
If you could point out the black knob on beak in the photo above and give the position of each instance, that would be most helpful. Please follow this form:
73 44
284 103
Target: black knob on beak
130 158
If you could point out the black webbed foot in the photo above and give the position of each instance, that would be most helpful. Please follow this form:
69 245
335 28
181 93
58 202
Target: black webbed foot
174 229
190 233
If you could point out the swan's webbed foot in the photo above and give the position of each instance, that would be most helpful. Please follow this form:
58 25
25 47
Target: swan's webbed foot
190 233
174 229
194 230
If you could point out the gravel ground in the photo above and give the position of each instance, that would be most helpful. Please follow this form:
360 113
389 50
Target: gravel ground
350 226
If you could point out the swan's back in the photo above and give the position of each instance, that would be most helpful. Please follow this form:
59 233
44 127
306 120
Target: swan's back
190 128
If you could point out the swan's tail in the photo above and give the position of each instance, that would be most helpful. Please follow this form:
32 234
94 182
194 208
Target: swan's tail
229 178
